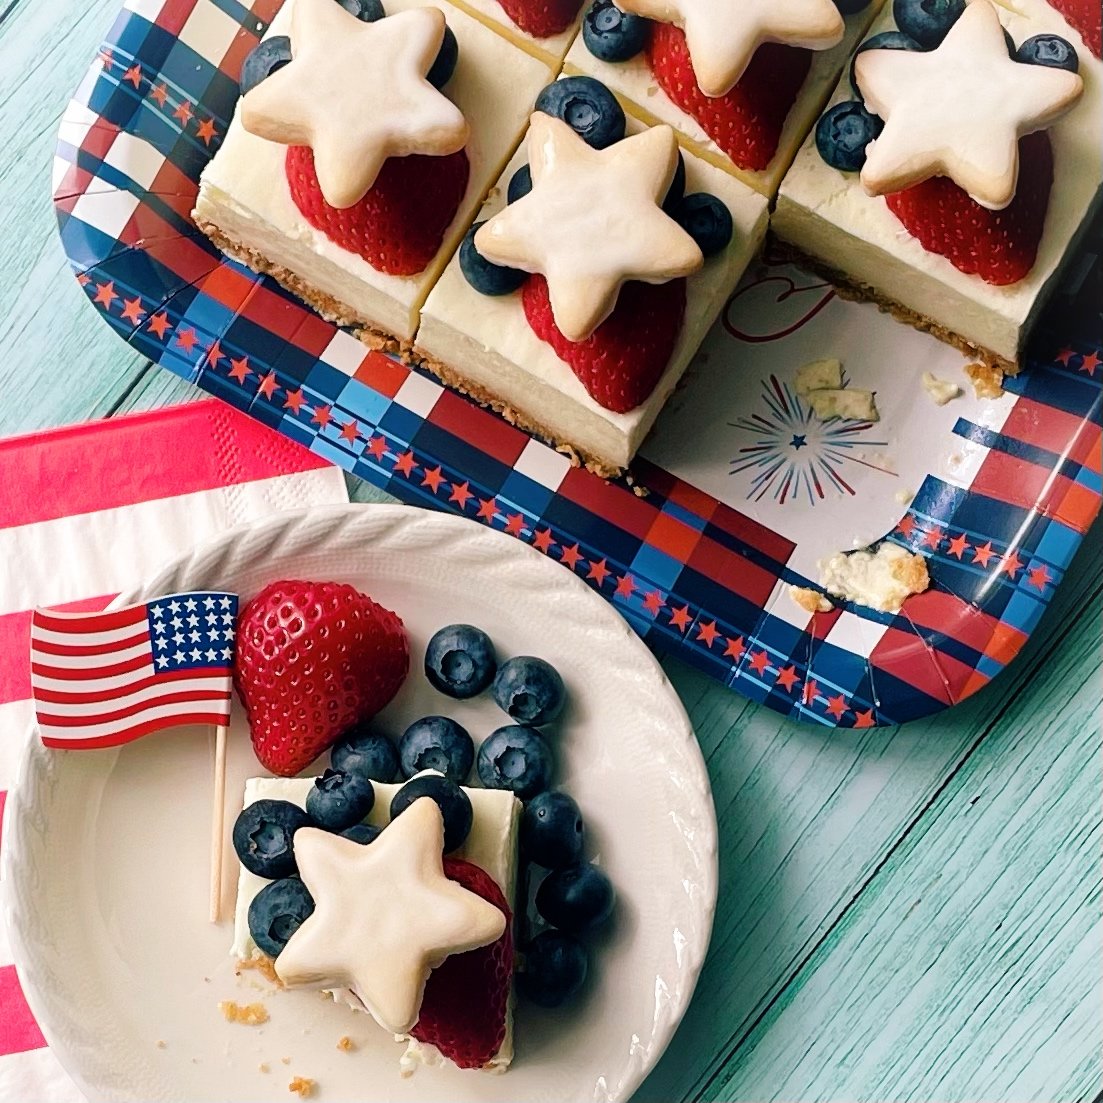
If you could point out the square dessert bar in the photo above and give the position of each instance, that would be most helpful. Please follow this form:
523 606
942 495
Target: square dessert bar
635 84
484 345
491 845
245 205
858 242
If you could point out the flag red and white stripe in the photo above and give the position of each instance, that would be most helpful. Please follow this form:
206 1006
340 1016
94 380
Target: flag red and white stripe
90 510
102 679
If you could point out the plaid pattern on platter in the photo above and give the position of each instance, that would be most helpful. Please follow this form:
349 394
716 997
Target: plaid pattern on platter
693 576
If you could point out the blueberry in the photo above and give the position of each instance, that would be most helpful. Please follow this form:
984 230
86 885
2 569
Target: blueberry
338 800
1049 49
488 279
264 834
1009 42
366 753
367 11
362 833
851 7
452 801
437 743
611 34
551 830
440 73
886 40
555 968
927 21
587 106
263 60
843 133
530 690
520 184
707 220
575 898
460 659
517 759
677 186
277 912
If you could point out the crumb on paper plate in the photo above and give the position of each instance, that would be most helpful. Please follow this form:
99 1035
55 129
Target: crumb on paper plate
880 580
248 1014
904 497
987 381
345 1043
940 390
285 1060
302 1086
161 1043
811 601
851 403
819 375
263 965
262 1067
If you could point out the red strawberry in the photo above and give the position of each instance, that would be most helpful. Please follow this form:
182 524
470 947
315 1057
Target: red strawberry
400 224
622 360
313 659
998 246
747 122
1087 17
463 1013
541 18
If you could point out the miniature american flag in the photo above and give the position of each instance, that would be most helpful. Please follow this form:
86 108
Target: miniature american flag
101 679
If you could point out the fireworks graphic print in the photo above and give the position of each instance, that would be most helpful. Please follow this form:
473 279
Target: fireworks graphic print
793 456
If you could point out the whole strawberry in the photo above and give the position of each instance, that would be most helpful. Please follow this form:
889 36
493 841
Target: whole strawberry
622 360
312 660
463 1012
399 225
747 122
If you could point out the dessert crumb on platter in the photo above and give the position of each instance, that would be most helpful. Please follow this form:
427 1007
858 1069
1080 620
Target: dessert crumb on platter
940 390
345 1044
247 1014
262 1067
987 380
881 579
261 964
302 1086
811 601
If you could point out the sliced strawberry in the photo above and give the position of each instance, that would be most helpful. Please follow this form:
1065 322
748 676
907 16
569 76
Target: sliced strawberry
313 659
400 224
463 1012
998 246
1087 17
747 122
622 360
541 18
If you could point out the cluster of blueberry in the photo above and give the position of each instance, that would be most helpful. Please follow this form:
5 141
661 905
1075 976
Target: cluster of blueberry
594 114
844 132
574 896
274 53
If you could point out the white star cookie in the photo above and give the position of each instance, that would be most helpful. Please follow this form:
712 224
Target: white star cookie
384 915
592 221
722 35
958 110
356 93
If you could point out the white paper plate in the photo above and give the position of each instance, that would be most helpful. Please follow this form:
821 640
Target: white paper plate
106 851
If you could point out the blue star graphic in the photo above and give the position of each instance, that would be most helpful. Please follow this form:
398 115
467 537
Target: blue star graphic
798 441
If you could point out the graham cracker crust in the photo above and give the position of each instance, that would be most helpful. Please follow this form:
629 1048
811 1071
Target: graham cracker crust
849 288
330 308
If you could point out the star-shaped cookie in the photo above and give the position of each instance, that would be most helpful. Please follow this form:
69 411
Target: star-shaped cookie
592 221
722 35
356 93
958 110
384 915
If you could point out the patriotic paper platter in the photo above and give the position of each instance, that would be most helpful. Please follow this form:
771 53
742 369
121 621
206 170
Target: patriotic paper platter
741 490
119 878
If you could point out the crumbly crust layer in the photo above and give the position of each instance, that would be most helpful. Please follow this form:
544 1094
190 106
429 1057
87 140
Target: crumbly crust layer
850 288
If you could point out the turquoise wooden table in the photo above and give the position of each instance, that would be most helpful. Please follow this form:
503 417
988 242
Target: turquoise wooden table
910 914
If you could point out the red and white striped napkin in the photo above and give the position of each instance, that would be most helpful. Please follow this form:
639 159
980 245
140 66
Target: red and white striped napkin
86 512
